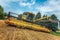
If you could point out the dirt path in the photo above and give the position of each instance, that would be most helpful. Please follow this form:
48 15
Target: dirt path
12 33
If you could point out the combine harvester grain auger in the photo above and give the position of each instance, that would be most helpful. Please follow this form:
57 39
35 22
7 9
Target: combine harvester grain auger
25 24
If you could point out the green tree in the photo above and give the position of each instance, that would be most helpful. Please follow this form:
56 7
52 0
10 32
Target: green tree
44 15
38 15
1 13
53 17
1 9
5 14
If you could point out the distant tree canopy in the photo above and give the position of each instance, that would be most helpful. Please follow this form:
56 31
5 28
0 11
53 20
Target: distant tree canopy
44 15
38 15
2 14
53 17
1 9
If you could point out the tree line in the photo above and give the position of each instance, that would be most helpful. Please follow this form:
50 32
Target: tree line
37 16
2 13
52 17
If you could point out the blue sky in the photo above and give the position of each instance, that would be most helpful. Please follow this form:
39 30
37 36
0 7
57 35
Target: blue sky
44 6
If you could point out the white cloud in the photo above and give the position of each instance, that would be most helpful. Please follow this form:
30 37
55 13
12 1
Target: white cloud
27 3
51 6
6 3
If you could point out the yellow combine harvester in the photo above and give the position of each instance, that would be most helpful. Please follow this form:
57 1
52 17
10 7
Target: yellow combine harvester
26 24
23 24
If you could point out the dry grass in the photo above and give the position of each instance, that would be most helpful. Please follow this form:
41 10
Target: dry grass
12 33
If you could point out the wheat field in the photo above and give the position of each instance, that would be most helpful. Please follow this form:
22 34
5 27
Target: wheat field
13 33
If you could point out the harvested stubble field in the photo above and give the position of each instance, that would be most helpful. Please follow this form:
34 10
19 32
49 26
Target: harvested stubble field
13 33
